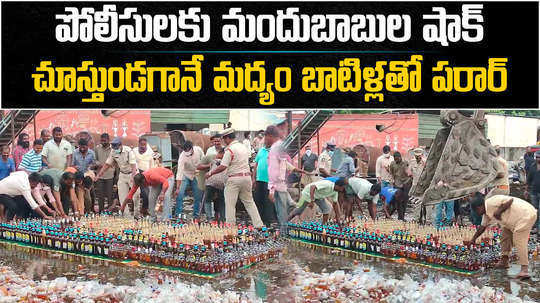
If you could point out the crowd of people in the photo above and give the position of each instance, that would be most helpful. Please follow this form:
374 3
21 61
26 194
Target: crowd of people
55 177
60 175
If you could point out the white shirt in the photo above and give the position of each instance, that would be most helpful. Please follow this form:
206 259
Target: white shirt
17 184
187 165
145 161
57 153
211 151
382 168
361 188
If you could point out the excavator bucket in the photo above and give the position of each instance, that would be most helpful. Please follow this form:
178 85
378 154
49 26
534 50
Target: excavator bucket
461 160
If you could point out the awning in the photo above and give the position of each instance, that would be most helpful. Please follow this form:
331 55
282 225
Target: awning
190 116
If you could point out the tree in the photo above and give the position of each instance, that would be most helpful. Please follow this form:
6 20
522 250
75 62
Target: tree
516 113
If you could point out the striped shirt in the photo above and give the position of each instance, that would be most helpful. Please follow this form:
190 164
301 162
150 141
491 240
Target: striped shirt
31 161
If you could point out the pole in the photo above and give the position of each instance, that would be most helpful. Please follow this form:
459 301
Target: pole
35 128
289 121
318 144
12 131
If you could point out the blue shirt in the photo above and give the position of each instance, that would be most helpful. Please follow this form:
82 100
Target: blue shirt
31 161
83 163
346 169
332 179
6 167
388 193
262 164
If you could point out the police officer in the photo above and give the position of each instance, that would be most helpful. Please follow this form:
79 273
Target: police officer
238 184
124 158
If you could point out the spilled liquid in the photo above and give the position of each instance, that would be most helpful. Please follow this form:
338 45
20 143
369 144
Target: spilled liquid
268 280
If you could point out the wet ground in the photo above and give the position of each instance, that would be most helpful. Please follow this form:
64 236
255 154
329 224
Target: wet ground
269 280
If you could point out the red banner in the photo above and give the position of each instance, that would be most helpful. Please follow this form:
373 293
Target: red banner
128 124
399 131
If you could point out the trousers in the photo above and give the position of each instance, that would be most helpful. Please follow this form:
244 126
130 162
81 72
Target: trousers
125 182
240 187
216 195
104 190
153 194
519 237
16 205
282 200
197 195
265 207
535 201
449 210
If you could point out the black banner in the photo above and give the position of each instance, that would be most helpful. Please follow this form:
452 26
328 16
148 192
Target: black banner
294 45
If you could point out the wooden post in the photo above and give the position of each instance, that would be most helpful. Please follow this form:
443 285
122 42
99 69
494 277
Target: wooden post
289 121
35 128
12 132
318 144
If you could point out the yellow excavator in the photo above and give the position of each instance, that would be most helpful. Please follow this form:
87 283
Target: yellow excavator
461 160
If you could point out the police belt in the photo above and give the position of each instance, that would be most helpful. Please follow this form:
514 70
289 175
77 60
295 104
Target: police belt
240 175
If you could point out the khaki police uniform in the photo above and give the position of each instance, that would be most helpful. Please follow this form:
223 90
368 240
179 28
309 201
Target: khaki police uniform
238 184
124 160
325 162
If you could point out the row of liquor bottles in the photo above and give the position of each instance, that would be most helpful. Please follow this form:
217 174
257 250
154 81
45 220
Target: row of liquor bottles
248 247
399 243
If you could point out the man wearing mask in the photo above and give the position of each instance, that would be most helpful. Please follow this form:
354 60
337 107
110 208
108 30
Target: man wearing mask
124 158
325 160
32 161
23 146
7 166
309 163
104 185
382 167
57 153
238 184
188 161
533 183
145 161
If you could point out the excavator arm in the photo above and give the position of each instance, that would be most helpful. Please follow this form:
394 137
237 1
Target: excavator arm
461 160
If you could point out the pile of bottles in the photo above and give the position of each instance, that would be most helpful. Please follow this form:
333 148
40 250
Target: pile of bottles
206 248
407 240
